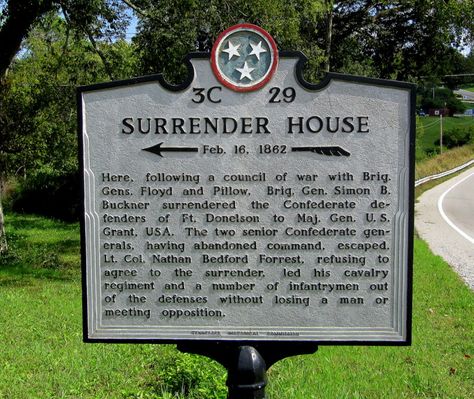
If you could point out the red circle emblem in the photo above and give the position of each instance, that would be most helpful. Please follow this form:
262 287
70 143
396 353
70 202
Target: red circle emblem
244 57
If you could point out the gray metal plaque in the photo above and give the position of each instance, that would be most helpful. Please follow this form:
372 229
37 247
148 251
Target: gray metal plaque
280 213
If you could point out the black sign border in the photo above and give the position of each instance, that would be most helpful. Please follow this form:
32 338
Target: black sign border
302 60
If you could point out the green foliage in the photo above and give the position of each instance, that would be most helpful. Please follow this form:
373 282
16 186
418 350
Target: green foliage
167 31
38 133
101 18
36 251
83 46
96 19
457 137
182 375
455 105
398 40
428 141
38 119
420 133
50 192
439 97
468 87
402 40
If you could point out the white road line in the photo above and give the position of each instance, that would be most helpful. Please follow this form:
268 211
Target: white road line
445 217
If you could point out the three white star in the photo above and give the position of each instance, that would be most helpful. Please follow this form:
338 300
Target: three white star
232 50
257 49
245 71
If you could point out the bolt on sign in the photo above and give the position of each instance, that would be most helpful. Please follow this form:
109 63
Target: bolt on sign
246 203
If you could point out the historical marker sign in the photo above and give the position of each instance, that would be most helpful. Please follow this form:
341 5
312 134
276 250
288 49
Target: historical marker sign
247 204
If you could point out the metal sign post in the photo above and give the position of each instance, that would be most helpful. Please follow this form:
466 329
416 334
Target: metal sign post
247 362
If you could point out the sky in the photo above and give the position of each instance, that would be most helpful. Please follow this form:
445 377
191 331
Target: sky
132 28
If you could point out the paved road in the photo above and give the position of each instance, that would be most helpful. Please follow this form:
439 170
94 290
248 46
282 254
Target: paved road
457 207
468 95
444 218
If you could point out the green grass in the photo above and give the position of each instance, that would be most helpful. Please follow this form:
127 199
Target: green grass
448 160
439 364
429 128
42 354
468 87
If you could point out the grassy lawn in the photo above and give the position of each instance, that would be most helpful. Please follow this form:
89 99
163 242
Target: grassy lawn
42 354
439 364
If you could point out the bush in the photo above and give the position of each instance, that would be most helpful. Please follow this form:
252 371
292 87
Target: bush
29 257
183 375
457 137
49 193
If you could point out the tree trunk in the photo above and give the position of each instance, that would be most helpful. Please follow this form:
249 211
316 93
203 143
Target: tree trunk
329 36
20 17
3 236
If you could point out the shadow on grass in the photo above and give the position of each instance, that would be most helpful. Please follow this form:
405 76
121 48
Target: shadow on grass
17 276
15 271
39 248
33 222
69 247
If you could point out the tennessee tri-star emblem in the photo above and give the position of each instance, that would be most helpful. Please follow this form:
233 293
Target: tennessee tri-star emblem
244 57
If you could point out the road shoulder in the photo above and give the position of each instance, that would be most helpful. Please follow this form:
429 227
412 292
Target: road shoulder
443 239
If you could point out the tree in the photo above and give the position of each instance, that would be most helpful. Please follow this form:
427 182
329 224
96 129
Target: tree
430 97
96 18
167 31
37 109
388 39
400 39
38 114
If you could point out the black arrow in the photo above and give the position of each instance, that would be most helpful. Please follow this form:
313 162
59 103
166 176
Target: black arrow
158 149
324 150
